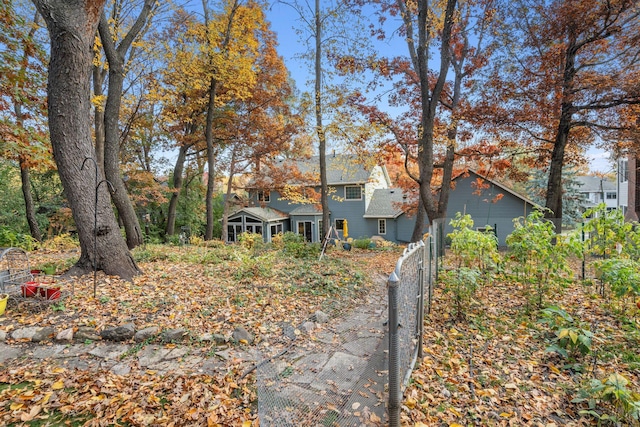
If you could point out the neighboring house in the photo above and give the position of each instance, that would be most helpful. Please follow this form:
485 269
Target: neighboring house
598 190
362 196
489 204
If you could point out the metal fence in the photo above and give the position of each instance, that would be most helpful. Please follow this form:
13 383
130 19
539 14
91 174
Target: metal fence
341 374
409 287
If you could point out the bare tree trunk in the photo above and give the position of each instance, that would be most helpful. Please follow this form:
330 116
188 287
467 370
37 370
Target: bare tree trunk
178 179
116 59
72 29
211 160
98 80
418 228
322 141
28 202
554 185
225 207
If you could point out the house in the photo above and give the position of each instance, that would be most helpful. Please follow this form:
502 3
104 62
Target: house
352 186
488 202
597 190
362 196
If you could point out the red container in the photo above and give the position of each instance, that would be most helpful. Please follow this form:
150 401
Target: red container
49 293
29 289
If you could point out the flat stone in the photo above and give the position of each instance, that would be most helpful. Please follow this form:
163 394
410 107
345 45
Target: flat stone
241 333
152 355
24 333
191 362
176 353
211 367
8 352
362 347
341 372
43 334
321 317
308 327
122 368
47 352
3 336
216 338
109 351
81 363
288 330
119 333
73 351
307 368
146 333
85 333
174 335
65 335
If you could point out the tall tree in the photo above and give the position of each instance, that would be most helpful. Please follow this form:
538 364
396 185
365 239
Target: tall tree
230 46
569 68
72 29
116 56
329 29
22 89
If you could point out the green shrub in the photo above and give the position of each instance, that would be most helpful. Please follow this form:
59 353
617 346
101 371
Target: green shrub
623 275
570 338
534 257
472 248
614 392
295 246
362 243
9 238
463 283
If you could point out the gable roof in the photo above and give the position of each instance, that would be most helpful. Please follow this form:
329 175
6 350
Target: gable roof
342 169
594 184
264 214
385 203
306 210
497 184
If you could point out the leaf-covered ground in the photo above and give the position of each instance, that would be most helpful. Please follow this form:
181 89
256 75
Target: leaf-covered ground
205 290
487 368
490 367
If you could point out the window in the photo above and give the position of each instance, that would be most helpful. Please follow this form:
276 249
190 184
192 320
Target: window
353 192
340 224
612 196
382 226
264 196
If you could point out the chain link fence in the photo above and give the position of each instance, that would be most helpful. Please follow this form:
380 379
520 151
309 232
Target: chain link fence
351 369
410 286
326 372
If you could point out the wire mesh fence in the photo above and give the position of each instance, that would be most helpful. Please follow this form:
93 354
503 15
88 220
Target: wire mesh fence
337 371
409 287
326 372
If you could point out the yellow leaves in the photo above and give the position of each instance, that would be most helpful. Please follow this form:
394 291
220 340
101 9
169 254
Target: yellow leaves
58 385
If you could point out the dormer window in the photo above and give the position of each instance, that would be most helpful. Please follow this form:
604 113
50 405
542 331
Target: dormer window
353 192
264 196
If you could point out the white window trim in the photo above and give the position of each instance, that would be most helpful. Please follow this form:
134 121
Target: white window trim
351 186
382 221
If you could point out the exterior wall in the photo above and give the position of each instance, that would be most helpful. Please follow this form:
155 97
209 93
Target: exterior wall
633 202
623 185
313 219
351 210
404 228
498 215
376 180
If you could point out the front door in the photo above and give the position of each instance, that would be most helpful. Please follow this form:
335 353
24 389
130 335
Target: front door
304 228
